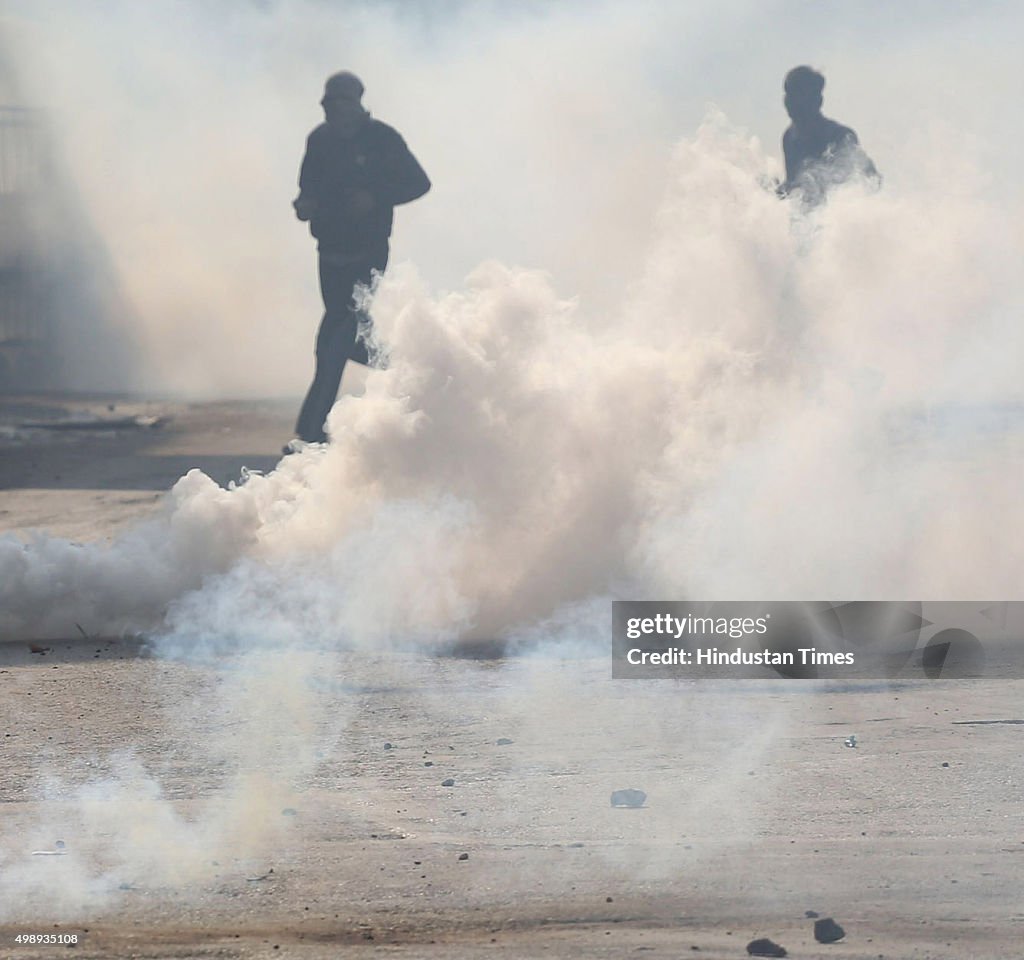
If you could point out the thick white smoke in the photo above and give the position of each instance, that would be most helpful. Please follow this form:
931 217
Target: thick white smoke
756 423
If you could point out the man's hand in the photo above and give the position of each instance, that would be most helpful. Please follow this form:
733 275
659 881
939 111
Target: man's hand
304 207
360 203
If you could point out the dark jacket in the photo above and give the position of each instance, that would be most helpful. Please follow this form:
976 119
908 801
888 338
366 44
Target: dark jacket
822 155
375 159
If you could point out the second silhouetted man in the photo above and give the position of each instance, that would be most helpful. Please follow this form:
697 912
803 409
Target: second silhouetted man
819 152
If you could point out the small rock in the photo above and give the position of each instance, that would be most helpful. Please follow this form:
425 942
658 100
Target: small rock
765 948
389 746
811 914
503 741
463 856
945 764
608 900
828 931
428 763
448 783
628 798
851 740
289 812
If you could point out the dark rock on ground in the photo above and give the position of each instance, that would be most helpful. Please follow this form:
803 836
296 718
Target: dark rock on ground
828 931
765 948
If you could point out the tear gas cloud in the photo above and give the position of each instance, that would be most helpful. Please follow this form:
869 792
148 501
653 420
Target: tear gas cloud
744 401
765 394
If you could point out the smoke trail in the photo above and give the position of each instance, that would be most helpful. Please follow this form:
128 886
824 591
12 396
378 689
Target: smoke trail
258 731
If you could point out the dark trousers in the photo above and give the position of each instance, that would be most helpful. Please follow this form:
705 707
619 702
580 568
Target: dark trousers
336 339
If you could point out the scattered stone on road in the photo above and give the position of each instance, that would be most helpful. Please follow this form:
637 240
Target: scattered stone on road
503 741
448 783
828 931
765 948
628 798
463 856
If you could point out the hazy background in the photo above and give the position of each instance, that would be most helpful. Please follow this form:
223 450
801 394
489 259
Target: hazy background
545 127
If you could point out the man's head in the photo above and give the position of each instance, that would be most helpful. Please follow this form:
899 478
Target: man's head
341 101
803 98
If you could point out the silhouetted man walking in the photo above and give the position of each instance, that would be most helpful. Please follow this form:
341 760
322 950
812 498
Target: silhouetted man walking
355 171
819 152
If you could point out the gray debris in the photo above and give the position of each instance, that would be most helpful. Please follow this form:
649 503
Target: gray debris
851 740
811 914
628 798
503 741
463 856
828 931
448 783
